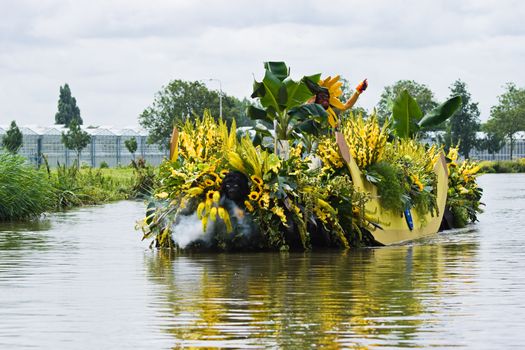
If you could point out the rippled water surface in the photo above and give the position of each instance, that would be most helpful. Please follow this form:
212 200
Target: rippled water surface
84 280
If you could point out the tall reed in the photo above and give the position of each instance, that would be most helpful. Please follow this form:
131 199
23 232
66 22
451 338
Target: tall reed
24 191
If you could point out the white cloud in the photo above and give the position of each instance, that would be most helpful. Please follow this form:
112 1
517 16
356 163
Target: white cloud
116 54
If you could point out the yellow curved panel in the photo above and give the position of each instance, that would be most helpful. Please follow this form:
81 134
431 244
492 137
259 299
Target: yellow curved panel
394 227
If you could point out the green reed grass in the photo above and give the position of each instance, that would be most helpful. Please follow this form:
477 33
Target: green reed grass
24 191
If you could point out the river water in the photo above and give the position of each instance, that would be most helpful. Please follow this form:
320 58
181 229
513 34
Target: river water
84 280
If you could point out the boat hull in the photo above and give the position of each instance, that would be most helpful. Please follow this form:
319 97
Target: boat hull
394 227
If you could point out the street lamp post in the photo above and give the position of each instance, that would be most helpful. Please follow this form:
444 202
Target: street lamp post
220 95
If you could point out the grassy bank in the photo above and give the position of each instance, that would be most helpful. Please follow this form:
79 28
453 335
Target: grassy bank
26 192
503 166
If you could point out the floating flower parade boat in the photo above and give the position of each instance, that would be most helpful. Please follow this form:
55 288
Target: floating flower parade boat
308 174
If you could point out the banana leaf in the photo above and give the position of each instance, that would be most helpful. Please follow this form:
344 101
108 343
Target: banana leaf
441 113
405 115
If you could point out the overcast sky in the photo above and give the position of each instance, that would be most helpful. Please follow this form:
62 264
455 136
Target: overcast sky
116 55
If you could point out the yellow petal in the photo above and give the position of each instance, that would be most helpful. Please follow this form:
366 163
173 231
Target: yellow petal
216 196
213 214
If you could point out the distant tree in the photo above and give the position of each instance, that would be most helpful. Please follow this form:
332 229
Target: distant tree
508 117
76 139
180 100
13 139
465 122
131 145
493 140
68 110
420 92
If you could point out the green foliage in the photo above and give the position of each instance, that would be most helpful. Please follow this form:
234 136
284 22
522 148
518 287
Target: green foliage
493 140
68 110
405 115
503 166
13 139
283 102
103 165
465 122
131 145
508 117
180 100
408 117
144 179
24 191
75 139
389 181
460 216
75 187
421 93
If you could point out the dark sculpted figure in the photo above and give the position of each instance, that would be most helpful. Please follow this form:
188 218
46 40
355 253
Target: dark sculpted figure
235 187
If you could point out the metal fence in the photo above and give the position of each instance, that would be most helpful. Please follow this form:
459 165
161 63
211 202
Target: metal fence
106 146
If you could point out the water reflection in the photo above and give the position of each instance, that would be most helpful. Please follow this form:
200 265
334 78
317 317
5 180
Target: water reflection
357 298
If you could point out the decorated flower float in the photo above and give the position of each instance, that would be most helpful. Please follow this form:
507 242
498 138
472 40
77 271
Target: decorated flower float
310 173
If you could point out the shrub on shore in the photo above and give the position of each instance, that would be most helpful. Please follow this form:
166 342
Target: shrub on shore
503 166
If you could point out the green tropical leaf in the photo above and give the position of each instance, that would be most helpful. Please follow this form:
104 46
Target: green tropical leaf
441 113
255 113
405 114
258 89
308 110
279 69
272 86
298 93
282 97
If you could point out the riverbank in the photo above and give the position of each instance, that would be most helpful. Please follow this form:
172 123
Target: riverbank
503 166
26 192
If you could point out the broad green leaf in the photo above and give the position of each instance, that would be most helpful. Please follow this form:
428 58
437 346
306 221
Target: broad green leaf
441 113
272 85
308 126
314 78
255 113
308 110
258 89
405 114
298 93
282 97
279 69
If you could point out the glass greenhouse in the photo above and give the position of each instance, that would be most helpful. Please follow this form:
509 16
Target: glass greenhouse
107 145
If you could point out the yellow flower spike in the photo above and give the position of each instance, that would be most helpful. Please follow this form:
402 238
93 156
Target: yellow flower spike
200 209
216 196
209 203
236 162
194 191
228 223
213 214
221 211
162 195
204 221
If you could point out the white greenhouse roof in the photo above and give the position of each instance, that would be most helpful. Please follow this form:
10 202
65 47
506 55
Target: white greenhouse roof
97 131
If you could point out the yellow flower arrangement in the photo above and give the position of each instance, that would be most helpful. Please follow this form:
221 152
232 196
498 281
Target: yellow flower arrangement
366 139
